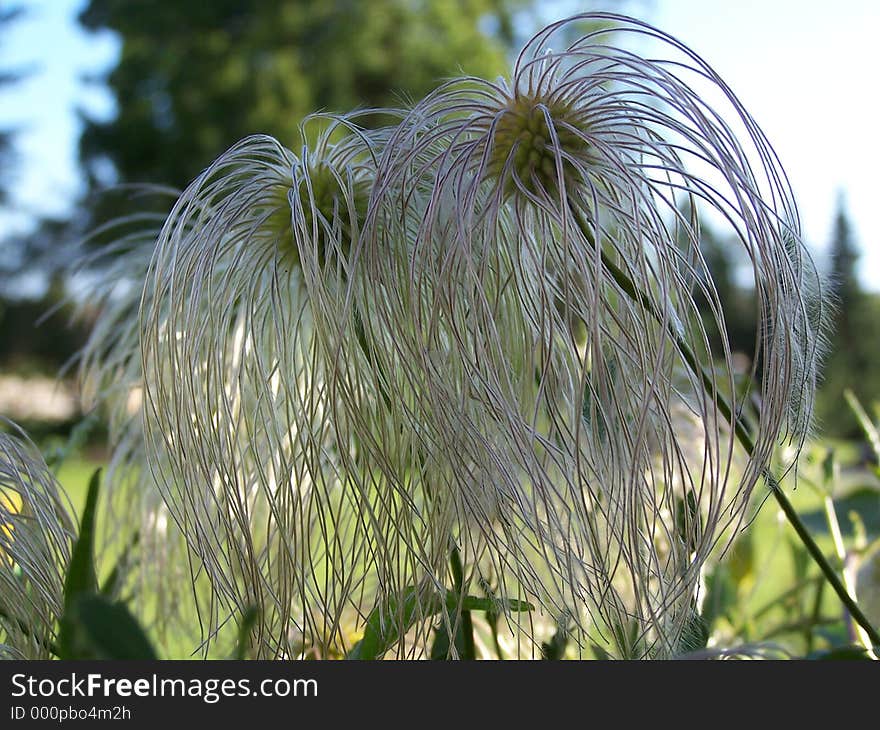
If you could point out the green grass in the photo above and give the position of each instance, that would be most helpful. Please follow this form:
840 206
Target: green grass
74 474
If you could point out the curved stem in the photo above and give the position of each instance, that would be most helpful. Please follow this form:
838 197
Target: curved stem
848 581
629 287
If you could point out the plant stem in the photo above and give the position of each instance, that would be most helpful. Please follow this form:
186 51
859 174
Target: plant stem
817 611
840 549
629 287
829 572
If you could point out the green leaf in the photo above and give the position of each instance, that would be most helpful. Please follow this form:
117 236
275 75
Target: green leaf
381 630
81 575
103 629
687 518
492 618
475 603
460 617
114 581
829 470
721 595
441 646
740 561
381 633
841 653
554 649
81 578
247 623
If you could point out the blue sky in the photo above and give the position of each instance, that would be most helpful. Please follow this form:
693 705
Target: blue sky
807 71
43 106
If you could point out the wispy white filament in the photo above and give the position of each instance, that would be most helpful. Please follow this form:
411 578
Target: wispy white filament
243 305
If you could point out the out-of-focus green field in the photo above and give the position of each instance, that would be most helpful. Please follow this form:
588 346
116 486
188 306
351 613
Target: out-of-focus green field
74 475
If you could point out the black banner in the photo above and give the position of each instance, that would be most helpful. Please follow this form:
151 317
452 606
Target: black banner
407 694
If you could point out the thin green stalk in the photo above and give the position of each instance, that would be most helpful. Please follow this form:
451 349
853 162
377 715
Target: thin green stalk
631 290
817 612
840 549
829 572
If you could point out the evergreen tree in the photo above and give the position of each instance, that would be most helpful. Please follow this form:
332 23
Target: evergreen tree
854 346
844 281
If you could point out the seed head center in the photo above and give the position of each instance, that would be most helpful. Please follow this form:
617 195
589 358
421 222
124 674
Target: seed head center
524 151
328 208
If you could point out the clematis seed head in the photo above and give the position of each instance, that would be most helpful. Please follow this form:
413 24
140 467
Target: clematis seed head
534 137
36 537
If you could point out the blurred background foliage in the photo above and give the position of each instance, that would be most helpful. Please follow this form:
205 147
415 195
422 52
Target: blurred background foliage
192 78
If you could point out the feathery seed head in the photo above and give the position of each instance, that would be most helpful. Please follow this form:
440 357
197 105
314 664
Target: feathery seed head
36 537
251 444
533 139
324 433
554 299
